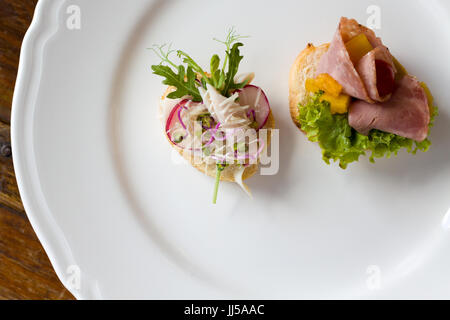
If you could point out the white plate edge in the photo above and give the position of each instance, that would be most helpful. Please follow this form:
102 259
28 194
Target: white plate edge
22 112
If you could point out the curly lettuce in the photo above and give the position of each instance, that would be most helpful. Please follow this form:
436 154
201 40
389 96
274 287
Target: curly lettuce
341 143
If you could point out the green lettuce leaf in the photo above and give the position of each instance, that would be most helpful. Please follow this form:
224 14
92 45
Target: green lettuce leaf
341 143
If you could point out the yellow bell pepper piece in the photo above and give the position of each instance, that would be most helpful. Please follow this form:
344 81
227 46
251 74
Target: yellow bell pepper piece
358 47
338 104
325 83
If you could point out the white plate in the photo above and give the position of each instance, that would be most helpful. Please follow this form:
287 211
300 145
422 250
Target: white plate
98 184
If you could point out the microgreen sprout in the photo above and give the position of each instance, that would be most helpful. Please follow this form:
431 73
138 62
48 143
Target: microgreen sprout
163 52
231 38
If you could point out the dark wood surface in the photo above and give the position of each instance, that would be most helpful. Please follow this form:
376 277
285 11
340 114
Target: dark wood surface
25 271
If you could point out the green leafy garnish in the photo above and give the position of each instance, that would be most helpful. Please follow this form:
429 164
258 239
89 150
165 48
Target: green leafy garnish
192 64
234 59
342 143
184 81
217 75
232 37
164 53
188 76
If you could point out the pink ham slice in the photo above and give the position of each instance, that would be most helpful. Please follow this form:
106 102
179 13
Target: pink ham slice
350 28
367 68
357 82
406 114
336 62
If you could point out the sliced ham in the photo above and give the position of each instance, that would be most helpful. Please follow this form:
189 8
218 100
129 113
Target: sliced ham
377 72
337 63
406 114
350 28
361 81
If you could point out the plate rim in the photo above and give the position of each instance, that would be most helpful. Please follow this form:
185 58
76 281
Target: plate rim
39 33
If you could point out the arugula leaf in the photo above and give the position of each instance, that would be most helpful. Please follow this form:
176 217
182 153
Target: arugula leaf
234 59
215 62
184 82
214 69
191 63
225 80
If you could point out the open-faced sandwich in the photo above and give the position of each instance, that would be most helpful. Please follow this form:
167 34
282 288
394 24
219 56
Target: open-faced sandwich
352 96
215 119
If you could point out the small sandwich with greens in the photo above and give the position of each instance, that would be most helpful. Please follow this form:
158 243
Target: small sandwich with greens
216 119
353 97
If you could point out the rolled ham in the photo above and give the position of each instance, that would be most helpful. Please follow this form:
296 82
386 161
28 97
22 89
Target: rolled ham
357 81
378 79
405 114
350 28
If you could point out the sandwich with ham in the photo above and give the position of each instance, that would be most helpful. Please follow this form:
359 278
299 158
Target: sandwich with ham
354 98
215 118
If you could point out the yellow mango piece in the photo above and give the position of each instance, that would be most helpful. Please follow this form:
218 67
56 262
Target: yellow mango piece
358 47
325 83
338 104
311 85
328 84
401 71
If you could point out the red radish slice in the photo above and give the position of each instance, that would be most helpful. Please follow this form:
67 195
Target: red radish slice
173 119
255 97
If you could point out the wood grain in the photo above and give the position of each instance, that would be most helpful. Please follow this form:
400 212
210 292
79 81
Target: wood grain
25 271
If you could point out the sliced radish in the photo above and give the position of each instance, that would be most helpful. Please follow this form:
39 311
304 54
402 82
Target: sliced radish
259 109
175 129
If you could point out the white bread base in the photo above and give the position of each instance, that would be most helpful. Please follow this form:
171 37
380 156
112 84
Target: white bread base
304 67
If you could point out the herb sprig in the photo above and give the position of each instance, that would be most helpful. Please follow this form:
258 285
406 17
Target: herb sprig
219 169
188 76
184 80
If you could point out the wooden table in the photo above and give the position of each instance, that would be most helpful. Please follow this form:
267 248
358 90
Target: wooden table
25 271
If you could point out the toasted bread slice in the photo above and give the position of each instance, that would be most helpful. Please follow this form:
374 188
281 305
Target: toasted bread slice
228 173
304 67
